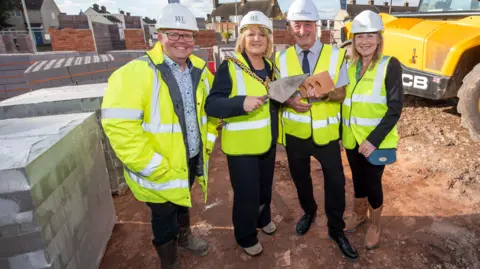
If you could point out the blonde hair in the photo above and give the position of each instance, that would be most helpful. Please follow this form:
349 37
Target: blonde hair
240 45
376 56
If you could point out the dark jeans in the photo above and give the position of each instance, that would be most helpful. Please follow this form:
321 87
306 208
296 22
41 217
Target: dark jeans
168 217
251 178
298 153
367 178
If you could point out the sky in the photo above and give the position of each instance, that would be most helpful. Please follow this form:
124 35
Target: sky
151 8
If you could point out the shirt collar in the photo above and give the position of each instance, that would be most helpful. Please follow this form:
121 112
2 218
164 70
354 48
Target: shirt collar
173 64
315 49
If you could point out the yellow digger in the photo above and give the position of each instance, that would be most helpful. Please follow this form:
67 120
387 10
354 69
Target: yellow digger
439 48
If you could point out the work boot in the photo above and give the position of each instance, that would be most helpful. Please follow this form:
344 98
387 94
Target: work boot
372 237
168 254
254 250
187 240
359 214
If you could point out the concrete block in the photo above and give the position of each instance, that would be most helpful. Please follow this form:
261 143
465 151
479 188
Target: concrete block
57 160
85 97
202 53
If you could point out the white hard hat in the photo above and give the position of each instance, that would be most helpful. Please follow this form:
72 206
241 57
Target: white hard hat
367 22
176 16
302 10
256 17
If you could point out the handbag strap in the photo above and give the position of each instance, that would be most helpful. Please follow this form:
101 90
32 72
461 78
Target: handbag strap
250 72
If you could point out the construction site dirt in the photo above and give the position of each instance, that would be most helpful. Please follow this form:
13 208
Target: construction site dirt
431 209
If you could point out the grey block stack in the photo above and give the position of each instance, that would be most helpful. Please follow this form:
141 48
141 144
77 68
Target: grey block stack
13 66
57 211
64 100
122 57
202 53
217 57
69 71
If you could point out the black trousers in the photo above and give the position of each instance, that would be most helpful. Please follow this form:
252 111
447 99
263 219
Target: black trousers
167 218
251 178
367 178
298 153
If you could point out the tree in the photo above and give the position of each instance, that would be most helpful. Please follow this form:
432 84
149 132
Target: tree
6 6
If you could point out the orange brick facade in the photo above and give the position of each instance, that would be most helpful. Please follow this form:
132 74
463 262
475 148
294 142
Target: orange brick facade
205 38
71 39
282 37
134 39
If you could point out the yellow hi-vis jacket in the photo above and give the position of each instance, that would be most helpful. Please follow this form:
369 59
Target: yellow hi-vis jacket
143 118
323 118
365 105
249 134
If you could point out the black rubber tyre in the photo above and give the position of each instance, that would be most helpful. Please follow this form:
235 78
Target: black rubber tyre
469 102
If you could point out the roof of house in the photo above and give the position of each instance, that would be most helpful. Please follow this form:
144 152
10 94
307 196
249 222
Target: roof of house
34 4
110 18
354 10
265 6
201 23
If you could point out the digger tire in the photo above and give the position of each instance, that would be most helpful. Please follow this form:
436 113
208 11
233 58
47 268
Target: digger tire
469 102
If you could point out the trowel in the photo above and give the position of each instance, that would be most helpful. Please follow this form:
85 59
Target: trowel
282 89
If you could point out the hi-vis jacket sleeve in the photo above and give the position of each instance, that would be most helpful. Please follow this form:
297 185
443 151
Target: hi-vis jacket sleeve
213 123
122 117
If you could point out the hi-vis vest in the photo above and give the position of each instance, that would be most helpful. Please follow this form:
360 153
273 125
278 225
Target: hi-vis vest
323 118
143 121
365 105
247 134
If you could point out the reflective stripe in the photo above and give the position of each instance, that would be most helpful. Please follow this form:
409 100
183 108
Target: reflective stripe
122 113
375 97
204 120
377 84
333 62
246 125
211 137
152 165
161 128
172 184
205 81
324 123
361 121
241 90
283 64
155 101
296 117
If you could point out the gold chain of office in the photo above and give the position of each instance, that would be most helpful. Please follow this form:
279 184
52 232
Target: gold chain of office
250 72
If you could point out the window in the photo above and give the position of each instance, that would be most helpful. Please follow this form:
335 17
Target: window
53 15
17 13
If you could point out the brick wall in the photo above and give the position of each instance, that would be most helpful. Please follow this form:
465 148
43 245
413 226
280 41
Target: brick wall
71 39
326 36
282 37
205 38
134 39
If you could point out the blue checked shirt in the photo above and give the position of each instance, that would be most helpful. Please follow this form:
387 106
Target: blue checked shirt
184 81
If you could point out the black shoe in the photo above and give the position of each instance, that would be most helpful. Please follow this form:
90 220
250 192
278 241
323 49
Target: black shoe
304 223
348 251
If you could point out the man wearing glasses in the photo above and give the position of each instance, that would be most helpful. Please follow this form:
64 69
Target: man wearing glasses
153 114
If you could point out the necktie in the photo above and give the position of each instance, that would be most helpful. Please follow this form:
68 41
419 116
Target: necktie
305 64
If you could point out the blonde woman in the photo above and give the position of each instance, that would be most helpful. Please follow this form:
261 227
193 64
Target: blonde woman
249 134
370 112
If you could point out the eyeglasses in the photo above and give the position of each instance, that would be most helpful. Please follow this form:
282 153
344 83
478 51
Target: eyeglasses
176 37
